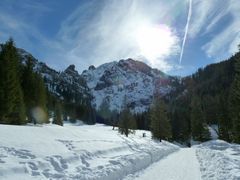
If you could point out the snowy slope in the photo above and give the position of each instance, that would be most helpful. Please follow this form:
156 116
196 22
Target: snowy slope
219 160
75 152
129 78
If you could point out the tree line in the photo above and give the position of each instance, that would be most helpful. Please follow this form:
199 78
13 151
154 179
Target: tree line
211 96
23 95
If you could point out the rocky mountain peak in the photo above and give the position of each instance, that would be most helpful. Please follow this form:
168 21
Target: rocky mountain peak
128 78
71 70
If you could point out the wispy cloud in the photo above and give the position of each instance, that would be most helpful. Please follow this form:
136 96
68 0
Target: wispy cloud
100 33
96 32
220 20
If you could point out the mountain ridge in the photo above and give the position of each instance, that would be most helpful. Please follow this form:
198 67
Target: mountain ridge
108 83
131 79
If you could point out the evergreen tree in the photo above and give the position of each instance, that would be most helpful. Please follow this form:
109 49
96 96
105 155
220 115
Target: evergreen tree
180 120
41 95
210 108
114 118
127 123
57 119
198 126
34 91
105 112
160 124
28 87
12 109
224 124
91 114
234 99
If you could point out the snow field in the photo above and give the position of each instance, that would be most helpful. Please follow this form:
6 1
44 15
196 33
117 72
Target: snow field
75 152
219 160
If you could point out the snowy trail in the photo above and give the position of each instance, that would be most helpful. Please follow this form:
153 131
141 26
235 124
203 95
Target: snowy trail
182 164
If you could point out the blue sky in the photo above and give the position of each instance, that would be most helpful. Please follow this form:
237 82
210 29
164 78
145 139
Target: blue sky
86 32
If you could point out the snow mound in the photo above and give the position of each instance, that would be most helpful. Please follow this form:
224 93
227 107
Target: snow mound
75 152
219 160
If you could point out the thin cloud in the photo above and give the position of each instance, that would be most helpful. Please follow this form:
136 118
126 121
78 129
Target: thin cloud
225 41
208 18
110 30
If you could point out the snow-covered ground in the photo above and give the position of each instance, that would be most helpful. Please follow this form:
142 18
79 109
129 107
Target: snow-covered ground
75 152
212 160
97 152
219 160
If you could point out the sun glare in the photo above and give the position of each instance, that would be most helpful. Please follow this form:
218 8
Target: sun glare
155 41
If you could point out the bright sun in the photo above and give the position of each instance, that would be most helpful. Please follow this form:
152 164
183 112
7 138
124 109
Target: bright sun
155 41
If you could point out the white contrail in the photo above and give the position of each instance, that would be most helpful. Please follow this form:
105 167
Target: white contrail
186 30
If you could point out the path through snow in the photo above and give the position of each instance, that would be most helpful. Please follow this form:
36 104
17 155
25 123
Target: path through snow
182 164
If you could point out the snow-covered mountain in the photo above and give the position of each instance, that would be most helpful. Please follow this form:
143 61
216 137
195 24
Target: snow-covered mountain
127 82
67 85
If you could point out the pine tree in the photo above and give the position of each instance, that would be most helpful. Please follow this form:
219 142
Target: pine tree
57 119
34 91
127 123
105 112
224 125
198 126
160 124
91 114
41 95
12 110
234 99
28 87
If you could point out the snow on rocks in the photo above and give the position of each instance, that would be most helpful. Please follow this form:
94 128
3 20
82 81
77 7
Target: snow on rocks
219 160
75 152
129 78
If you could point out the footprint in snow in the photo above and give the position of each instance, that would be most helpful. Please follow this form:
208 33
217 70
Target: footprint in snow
20 153
58 163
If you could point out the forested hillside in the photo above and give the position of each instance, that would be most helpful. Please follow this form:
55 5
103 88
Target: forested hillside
209 96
